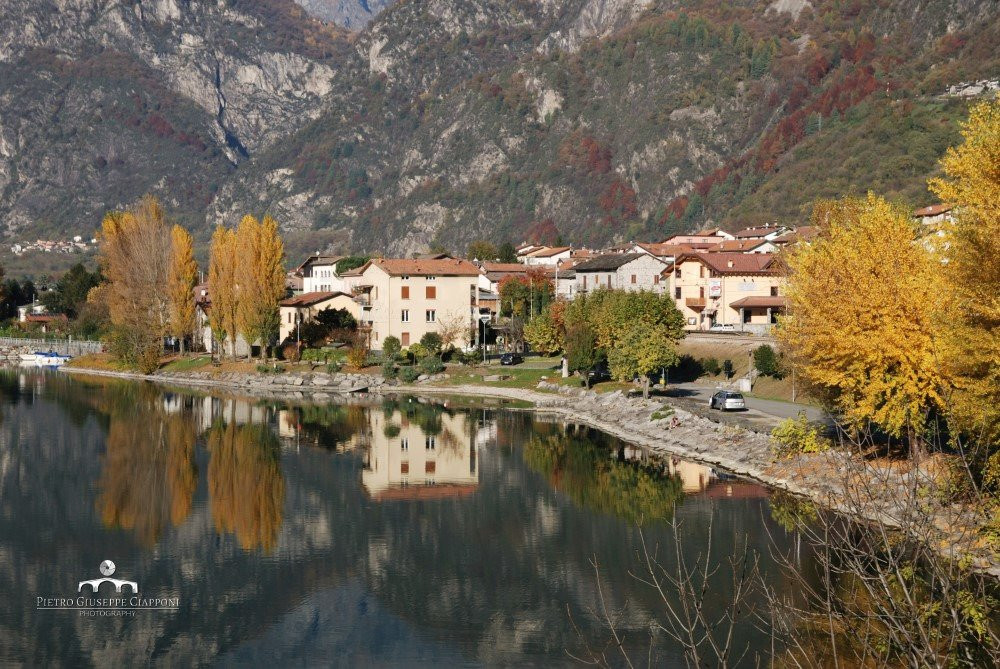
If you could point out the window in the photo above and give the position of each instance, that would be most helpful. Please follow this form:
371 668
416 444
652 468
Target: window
431 277
404 315
677 293
430 442
633 278
404 467
701 271
656 279
405 277
677 272
404 339
430 467
701 292
774 291
404 444
431 316
405 292
430 292
585 282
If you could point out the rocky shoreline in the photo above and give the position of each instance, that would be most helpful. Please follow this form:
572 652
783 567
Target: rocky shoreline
661 425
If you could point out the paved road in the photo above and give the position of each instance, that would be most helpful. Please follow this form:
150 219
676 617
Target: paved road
755 405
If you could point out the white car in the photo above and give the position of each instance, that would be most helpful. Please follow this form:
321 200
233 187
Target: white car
720 327
727 400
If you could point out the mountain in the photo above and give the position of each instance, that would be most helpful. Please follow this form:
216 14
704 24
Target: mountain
350 14
443 121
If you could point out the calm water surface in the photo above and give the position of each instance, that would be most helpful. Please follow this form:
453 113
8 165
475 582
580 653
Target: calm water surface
378 532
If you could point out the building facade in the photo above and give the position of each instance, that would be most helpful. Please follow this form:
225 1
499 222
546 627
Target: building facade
304 308
620 271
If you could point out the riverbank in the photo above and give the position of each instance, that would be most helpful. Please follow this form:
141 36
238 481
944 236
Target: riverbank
667 428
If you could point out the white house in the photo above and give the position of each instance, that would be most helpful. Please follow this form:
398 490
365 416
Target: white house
548 256
319 274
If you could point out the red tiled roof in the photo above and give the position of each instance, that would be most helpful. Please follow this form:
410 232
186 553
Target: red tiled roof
508 267
736 245
550 251
309 299
750 233
933 210
664 249
45 318
426 267
734 263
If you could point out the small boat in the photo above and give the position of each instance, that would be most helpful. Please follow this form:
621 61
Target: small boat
44 358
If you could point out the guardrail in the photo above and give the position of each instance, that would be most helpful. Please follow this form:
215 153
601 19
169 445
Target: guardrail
64 346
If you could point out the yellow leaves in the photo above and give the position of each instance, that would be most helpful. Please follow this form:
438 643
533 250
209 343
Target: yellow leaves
261 277
183 276
863 302
222 285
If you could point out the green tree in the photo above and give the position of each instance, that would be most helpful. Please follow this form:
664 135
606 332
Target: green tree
431 341
391 347
581 350
506 253
641 351
351 262
71 291
766 361
481 250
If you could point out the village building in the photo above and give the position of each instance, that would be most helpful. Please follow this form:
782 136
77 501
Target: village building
739 291
769 232
319 274
407 298
745 246
203 338
547 256
305 307
619 271
934 214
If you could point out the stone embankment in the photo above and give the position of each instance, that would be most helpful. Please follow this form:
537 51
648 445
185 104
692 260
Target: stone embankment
11 355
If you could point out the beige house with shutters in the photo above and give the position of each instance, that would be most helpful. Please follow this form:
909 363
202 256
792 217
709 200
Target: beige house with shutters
407 298
742 291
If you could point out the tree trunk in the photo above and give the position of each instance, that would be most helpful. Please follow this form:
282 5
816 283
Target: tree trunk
645 387
182 345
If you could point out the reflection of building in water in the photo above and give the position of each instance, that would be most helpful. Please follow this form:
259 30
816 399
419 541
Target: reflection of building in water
430 456
237 411
702 479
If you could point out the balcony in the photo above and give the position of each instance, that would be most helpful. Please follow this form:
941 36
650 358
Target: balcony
695 302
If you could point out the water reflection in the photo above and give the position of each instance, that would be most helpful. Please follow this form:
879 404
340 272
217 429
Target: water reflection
294 535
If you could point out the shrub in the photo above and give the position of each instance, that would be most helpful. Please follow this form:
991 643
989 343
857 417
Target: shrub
795 436
431 365
388 369
473 357
711 366
270 369
727 368
391 347
417 351
333 367
766 361
686 369
432 342
291 352
408 374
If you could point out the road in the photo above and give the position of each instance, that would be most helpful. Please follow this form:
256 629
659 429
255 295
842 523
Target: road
756 407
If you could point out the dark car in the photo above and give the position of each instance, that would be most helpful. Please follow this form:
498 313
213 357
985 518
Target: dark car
511 359
599 372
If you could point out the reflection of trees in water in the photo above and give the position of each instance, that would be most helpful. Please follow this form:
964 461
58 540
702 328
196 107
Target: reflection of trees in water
149 476
245 483
592 478
331 424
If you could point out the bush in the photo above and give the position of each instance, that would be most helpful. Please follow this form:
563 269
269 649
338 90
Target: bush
766 361
473 357
795 436
417 351
432 342
711 366
291 352
388 369
391 347
727 368
333 367
270 369
686 369
431 365
408 374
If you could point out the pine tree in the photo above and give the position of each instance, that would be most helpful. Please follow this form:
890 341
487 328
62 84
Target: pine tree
183 276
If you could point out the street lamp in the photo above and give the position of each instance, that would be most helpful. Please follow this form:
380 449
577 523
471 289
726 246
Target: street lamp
483 320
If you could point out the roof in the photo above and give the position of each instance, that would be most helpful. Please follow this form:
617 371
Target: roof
425 267
712 232
44 318
737 245
317 258
354 271
506 267
761 302
607 262
664 249
734 263
933 210
804 233
750 233
309 299
549 251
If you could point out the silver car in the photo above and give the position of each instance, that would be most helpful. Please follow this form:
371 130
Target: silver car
726 400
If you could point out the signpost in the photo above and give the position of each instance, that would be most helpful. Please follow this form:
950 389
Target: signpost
484 319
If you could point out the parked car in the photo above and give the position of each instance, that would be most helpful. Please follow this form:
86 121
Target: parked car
727 400
511 359
720 327
599 372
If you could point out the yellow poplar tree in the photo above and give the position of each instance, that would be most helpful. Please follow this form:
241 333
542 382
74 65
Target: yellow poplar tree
183 276
135 260
971 321
261 278
222 289
862 303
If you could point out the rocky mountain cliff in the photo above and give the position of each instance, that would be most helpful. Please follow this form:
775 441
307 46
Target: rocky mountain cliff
448 120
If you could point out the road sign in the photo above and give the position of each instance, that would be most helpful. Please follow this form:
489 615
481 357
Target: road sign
485 318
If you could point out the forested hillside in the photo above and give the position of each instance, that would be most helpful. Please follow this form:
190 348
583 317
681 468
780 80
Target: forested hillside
446 121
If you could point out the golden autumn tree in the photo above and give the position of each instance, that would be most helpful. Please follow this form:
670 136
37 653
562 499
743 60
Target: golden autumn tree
861 319
222 289
260 271
135 259
183 277
245 483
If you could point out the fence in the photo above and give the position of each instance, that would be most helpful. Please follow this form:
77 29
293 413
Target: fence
64 346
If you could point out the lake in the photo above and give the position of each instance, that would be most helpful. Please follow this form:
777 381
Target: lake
378 531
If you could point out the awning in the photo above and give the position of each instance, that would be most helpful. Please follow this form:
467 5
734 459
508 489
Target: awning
761 302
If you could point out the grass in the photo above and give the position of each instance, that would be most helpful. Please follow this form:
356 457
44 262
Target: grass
98 361
186 364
